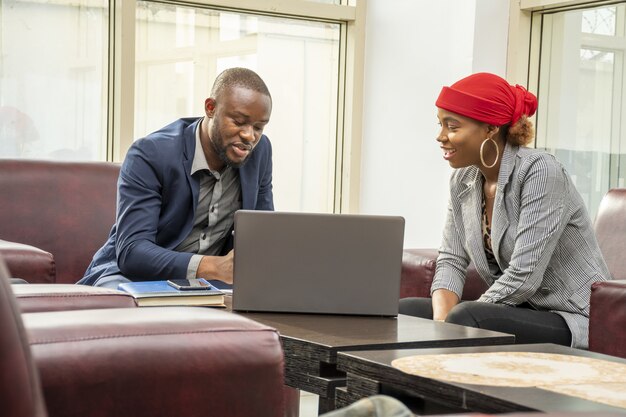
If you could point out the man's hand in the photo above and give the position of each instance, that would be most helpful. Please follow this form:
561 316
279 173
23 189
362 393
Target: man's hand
217 267
443 301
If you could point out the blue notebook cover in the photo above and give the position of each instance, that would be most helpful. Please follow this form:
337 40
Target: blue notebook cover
222 286
141 289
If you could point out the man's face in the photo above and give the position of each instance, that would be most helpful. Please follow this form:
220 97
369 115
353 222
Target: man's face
236 122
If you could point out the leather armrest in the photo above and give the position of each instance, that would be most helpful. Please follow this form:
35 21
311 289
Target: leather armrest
418 271
33 298
607 318
165 361
28 262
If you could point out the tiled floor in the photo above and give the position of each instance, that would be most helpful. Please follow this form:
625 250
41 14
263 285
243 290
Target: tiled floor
308 404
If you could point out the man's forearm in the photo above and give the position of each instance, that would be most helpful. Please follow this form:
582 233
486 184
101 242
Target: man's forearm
217 267
144 260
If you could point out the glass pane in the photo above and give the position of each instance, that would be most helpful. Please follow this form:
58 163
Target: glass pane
599 21
53 79
179 52
581 117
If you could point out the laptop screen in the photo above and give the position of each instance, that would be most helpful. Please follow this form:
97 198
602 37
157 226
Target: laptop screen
317 263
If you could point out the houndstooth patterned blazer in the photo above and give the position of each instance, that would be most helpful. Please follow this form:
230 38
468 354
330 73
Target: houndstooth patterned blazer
541 234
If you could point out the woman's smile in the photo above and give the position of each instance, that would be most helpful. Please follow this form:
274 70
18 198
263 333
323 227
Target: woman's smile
448 152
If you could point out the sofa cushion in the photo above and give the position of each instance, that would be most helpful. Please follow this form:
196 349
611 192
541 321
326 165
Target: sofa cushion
418 271
32 298
165 361
610 230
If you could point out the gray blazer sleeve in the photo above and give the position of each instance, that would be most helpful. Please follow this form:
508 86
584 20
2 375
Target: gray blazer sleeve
452 261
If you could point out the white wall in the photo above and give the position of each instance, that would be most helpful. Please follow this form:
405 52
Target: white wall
490 36
412 49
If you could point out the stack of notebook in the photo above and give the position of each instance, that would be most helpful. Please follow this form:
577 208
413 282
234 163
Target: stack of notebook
160 293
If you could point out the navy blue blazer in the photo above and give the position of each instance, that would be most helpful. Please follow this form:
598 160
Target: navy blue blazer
156 203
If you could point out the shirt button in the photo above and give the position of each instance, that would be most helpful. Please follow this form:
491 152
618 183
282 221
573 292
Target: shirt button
203 236
212 209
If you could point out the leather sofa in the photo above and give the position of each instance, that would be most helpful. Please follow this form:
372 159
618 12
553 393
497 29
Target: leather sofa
63 209
607 319
58 215
607 322
136 362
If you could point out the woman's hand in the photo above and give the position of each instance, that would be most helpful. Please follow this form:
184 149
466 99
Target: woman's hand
443 301
217 267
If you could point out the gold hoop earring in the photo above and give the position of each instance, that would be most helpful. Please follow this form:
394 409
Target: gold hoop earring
482 159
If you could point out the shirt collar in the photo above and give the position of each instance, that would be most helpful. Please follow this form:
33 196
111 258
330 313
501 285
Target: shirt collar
199 160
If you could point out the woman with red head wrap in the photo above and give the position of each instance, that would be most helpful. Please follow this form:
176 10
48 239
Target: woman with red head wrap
514 212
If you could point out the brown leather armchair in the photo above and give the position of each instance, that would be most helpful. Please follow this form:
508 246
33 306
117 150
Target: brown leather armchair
54 217
607 319
136 362
607 322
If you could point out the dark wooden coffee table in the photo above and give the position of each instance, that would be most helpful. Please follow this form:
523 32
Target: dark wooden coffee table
311 343
370 373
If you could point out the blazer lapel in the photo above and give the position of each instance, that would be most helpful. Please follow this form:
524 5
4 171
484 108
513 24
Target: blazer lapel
189 136
247 197
500 220
471 207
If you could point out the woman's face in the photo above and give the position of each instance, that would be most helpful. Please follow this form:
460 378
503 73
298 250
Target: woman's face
460 138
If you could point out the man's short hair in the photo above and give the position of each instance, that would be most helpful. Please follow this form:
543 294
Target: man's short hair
239 77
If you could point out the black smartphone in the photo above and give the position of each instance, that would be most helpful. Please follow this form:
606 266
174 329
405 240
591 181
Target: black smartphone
189 284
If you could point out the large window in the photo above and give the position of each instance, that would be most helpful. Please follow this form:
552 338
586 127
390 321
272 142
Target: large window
582 95
53 79
83 79
181 49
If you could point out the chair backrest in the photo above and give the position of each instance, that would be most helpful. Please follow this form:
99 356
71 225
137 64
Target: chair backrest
610 228
20 390
65 208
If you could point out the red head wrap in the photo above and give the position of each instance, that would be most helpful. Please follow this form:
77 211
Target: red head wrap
488 98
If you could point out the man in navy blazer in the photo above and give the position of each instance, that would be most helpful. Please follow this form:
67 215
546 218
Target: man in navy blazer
180 186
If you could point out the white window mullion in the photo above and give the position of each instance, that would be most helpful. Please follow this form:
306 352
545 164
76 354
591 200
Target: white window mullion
350 121
122 79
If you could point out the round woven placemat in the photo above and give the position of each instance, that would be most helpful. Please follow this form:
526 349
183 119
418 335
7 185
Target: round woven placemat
513 369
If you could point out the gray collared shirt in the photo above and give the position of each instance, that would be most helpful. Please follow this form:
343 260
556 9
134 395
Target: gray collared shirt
218 199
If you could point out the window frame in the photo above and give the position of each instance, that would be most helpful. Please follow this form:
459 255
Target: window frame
522 55
351 19
524 51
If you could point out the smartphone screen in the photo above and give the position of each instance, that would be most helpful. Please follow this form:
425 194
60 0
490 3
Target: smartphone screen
189 284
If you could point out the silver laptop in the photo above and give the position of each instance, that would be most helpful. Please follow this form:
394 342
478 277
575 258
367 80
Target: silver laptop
317 263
